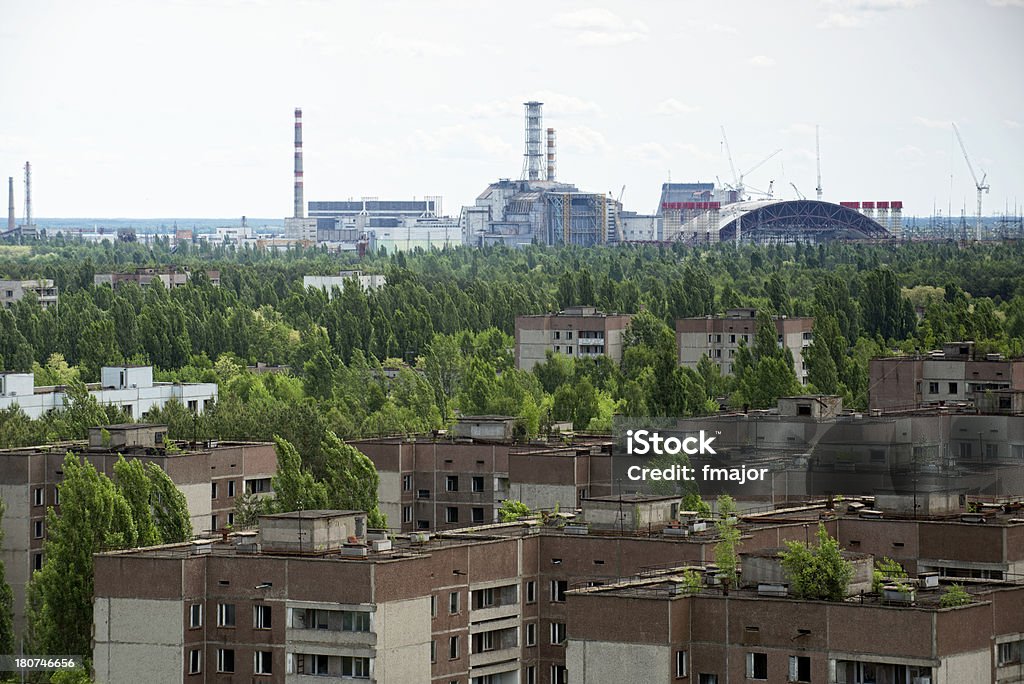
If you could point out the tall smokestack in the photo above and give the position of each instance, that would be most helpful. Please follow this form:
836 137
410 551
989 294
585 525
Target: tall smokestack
299 211
10 203
533 155
28 194
551 154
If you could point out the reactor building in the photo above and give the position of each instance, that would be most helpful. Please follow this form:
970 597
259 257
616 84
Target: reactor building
537 208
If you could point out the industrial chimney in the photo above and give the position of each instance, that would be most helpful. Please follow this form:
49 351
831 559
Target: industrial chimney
533 156
28 195
10 203
551 154
299 211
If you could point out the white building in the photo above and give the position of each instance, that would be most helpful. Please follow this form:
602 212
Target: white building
130 387
367 281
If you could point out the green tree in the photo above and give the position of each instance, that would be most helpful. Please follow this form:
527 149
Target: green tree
512 510
295 488
954 596
819 573
352 480
94 516
727 548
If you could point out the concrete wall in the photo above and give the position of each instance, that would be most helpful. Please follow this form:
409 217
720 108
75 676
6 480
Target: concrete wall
138 640
389 496
544 495
17 530
975 666
403 641
599 662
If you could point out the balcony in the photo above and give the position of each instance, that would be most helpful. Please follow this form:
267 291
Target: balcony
485 658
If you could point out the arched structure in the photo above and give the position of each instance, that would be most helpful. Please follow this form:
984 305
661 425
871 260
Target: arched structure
796 221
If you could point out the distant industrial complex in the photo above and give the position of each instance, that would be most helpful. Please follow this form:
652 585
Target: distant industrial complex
538 208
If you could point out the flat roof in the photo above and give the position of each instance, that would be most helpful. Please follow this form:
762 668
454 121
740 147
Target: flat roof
312 514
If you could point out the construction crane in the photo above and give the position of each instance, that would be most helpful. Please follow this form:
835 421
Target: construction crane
817 157
738 179
799 194
980 185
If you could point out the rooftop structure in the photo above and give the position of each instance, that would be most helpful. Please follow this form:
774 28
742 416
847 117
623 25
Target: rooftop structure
802 220
129 387
577 332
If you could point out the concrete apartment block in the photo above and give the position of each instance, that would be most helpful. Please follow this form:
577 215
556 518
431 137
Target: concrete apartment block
45 290
577 332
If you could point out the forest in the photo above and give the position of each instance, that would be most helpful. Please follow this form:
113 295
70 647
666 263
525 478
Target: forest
437 340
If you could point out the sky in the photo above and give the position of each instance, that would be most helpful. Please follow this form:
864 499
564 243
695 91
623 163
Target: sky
183 108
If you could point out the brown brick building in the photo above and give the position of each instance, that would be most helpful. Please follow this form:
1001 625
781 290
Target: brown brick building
577 332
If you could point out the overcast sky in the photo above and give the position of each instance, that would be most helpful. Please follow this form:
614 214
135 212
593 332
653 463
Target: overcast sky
183 108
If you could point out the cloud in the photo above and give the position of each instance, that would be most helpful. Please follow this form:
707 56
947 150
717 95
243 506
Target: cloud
647 152
599 27
909 152
930 123
414 47
838 20
761 61
1010 123
672 106
461 140
799 129
692 150
581 139
560 104
1006 3
496 109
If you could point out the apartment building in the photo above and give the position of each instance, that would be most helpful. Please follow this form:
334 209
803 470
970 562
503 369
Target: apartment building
129 387
954 375
367 281
211 475
577 332
718 338
437 483
662 633
44 289
169 276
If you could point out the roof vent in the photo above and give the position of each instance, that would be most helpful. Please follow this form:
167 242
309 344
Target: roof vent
871 514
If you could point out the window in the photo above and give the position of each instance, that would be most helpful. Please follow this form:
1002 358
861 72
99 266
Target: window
1008 653
877 455
261 617
38 496
451 514
531 674
965 449
225 660
484 642
531 591
484 598
451 483
352 666
732 340
355 621
320 664
991 451
37 561
193 405
707 678
231 487
933 388
558 335
407 483
681 664
558 588
757 666
568 350
225 615
453 602
422 493
258 486
568 335
478 483
422 524
433 651
213 490
453 647
263 663
433 606
718 338
195 661
213 522
56 496
559 674
799 668
231 519
557 633
195 615
407 514
531 634
952 388
37 529
478 515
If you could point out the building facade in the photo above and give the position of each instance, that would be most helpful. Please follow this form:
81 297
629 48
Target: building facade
211 475
577 332
170 276
130 388
718 338
367 281
956 375
44 289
